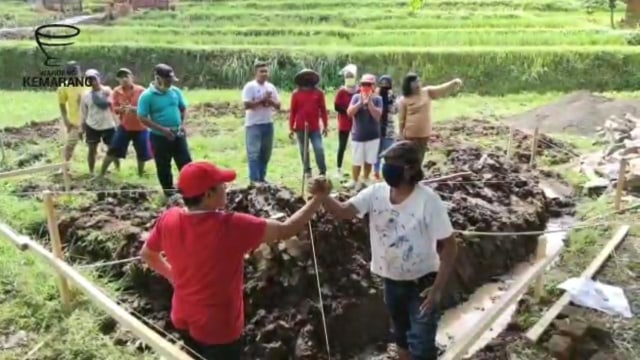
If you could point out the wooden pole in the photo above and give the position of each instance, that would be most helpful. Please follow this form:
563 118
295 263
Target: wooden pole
622 177
164 348
56 247
534 333
509 144
541 253
29 171
534 147
468 339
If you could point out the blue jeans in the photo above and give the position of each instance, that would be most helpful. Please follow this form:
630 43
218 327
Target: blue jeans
385 143
315 137
259 143
412 332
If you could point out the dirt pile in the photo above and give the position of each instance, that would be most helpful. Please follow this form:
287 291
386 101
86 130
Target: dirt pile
580 112
282 311
496 136
30 133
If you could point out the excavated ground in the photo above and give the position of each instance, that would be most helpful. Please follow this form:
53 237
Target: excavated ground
283 319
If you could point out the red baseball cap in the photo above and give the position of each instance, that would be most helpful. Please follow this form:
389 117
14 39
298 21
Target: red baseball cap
198 177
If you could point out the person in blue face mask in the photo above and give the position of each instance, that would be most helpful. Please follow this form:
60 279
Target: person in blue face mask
407 220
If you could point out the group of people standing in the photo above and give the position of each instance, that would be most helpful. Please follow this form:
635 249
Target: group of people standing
152 119
366 112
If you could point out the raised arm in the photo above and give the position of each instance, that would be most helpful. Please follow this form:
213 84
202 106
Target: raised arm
443 90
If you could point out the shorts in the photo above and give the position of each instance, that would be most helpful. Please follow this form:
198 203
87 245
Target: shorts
93 136
231 351
120 144
72 135
364 152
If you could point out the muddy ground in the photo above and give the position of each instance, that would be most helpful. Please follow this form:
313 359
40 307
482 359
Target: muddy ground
580 112
282 316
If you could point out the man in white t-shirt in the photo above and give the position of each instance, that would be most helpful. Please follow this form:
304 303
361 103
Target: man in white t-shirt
260 99
97 118
406 222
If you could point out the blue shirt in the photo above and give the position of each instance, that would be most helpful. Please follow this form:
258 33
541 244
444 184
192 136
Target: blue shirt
365 127
163 108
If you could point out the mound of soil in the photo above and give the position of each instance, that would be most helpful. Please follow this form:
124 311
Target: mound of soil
448 136
282 312
30 133
580 112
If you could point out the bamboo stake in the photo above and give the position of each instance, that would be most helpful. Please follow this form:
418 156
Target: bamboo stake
534 147
29 171
56 247
541 253
468 339
622 177
534 333
163 347
509 143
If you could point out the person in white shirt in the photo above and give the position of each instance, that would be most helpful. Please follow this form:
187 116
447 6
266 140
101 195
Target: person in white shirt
97 118
407 220
260 99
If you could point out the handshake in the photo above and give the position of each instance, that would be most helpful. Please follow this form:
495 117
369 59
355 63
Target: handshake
319 187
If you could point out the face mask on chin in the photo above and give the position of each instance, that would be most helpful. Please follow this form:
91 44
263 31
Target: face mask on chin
350 82
393 174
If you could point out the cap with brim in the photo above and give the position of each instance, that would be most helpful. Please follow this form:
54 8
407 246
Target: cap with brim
122 72
300 77
196 178
368 79
71 68
92 73
405 151
165 71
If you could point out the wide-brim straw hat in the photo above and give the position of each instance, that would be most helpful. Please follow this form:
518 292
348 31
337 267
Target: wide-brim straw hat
306 74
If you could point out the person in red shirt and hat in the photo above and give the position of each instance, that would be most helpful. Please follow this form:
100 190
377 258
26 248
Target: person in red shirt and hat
204 248
308 108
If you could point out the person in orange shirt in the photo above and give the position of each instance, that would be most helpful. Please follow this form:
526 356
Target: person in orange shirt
125 102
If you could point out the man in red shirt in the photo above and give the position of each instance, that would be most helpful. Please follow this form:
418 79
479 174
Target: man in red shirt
124 101
307 108
204 248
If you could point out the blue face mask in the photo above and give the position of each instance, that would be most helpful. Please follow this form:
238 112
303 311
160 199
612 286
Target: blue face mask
393 174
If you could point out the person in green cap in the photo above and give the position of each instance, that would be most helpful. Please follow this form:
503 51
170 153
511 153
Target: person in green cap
307 109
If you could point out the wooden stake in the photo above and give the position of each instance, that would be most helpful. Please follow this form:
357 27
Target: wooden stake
622 177
541 253
29 171
534 333
163 347
56 247
534 147
509 143
468 339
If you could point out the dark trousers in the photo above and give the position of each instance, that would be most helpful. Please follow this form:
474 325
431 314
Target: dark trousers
343 138
165 150
412 331
315 138
231 351
423 145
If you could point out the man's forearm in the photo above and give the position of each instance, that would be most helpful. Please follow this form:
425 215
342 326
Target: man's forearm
447 263
375 112
161 266
183 116
150 124
442 90
296 222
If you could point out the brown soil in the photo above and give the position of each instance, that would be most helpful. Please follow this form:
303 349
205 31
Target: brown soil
580 112
472 130
31 133
282 317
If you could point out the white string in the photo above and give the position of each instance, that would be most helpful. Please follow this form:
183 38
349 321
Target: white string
108 263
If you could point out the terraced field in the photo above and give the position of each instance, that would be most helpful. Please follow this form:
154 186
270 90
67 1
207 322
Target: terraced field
530 45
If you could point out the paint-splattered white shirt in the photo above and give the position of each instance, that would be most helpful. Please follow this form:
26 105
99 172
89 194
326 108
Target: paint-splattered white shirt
404 236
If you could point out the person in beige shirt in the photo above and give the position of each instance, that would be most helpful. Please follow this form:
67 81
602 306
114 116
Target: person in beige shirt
414 108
